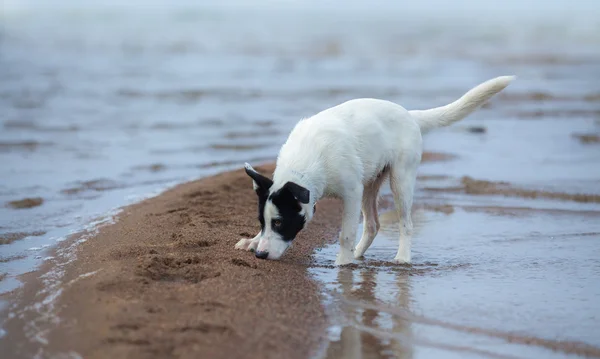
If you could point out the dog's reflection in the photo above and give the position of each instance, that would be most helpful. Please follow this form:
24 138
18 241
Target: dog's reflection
364 334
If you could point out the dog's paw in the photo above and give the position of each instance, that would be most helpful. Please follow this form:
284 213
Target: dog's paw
343 262
344 258
359 252
246 244
402 259
253 245
359 256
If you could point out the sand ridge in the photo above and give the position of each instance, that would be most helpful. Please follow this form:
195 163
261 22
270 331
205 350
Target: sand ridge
166 281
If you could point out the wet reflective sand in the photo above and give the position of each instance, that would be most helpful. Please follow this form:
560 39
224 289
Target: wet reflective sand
483 291
494 275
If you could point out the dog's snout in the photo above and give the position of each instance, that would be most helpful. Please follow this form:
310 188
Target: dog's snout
261 254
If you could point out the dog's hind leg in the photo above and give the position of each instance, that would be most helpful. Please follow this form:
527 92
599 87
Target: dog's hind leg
248 244
402 182
369 212
352 204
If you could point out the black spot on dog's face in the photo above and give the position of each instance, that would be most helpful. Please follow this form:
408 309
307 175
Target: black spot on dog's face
262 201
290 220
261 187
287 200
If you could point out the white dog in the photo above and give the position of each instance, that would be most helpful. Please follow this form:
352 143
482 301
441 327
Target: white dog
347 151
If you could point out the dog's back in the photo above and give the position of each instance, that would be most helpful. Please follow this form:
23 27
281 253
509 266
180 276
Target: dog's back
358 137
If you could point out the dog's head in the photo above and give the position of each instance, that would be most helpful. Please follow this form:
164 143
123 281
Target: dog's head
282 213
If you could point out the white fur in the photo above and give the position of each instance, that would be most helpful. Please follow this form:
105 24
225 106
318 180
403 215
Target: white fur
271 242
347 151
248 244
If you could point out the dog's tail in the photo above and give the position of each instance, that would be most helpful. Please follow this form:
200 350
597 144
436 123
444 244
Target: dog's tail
461 108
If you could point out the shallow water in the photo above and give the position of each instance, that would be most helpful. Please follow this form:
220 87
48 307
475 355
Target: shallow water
482 284
493 276
101 106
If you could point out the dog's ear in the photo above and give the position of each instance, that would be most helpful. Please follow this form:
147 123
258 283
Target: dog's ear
299 192
260 182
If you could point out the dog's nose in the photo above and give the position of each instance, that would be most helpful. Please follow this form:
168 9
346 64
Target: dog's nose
261 255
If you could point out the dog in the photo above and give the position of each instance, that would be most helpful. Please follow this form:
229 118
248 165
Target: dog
348 151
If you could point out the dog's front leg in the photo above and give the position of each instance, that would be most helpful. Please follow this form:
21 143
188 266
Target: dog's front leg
248 244
350 218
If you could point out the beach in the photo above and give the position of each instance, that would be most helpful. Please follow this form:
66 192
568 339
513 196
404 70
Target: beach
165 281
123 135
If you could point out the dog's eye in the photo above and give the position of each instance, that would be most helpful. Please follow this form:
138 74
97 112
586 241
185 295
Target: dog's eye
276 223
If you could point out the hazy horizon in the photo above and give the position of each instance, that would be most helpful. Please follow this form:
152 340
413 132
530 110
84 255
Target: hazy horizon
492 8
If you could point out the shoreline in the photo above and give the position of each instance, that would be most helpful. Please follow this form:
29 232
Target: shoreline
165 279
34 299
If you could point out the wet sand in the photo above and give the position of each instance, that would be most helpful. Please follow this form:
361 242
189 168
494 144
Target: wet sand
501 286
10 237
483 187
166 281
25 203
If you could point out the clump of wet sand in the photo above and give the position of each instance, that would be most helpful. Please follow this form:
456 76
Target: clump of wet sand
476 129
432 177
437 157
473 186
11 258
21 146
96 185
238 147
251 134
7 238
155 167
558 113
539 59
442 208
537 96
587 138
482 187
26 203
592 97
